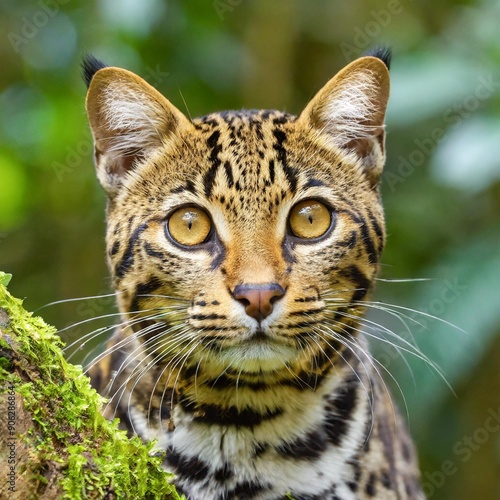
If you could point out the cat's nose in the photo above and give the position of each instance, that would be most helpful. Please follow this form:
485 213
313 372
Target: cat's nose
258 299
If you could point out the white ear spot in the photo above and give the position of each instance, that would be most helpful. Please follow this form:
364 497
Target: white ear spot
349 112
135 122
130 119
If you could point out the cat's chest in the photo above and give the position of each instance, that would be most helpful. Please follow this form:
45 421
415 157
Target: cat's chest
267 453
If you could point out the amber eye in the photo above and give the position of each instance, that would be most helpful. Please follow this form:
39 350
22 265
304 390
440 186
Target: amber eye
310 219
189 226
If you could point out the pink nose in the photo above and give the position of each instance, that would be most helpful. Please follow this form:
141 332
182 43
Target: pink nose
258 299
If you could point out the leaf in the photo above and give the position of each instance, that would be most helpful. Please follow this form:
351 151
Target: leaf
5 278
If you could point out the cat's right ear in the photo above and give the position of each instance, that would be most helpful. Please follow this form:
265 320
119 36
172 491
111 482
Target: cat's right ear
129 119
348 113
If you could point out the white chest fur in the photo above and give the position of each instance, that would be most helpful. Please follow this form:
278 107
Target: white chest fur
293 450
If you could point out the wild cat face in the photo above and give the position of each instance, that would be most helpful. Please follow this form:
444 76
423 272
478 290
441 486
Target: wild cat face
243 240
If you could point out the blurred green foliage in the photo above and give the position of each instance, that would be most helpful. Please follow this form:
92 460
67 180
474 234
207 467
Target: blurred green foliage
441 185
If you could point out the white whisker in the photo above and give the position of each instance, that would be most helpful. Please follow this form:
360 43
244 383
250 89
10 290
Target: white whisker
77 299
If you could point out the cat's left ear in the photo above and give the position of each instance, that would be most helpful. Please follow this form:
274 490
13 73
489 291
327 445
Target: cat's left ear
130 121
349 112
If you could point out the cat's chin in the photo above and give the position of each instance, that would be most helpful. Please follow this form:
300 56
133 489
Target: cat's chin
258 355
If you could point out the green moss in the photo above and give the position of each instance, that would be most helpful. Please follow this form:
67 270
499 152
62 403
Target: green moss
5 278
89 455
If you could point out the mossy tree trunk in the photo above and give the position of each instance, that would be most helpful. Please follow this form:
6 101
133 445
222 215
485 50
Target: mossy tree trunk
54 443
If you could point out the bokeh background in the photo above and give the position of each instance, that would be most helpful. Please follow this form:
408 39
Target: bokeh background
441 186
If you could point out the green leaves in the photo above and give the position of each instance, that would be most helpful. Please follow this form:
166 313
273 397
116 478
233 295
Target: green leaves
5 278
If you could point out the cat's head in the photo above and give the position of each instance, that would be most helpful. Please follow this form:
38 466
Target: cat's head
253 236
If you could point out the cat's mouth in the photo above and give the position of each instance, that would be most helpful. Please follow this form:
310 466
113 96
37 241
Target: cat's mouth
258 351
259 335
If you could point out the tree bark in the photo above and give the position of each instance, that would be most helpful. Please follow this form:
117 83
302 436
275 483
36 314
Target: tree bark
54 443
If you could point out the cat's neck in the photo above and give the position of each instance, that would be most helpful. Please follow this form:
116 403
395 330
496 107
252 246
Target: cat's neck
266 428
200 395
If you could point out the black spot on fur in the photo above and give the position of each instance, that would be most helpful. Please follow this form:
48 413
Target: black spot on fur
128 257
260 449
215 415
190 371
306 312
187 467
271 171
309 447
305 380
189 186
370 487
204 317
224 382
306 299
288 246
144 289
215 148
218 251
314 183
229 175
350 242
152 252
373 254
360 281
115 248
246 490
378 231
224 473
290 173
165 410
90 66
385 479
280 119
386 435
353 484
339 412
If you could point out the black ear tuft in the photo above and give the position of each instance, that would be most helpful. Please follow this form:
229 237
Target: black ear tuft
384 53
90 66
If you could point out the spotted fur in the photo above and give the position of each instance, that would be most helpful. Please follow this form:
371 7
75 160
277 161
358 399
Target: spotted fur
250 406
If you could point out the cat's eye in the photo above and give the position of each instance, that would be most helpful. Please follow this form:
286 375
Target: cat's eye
310 219
189 226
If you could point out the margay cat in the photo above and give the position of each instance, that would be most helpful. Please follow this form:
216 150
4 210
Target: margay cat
243 245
